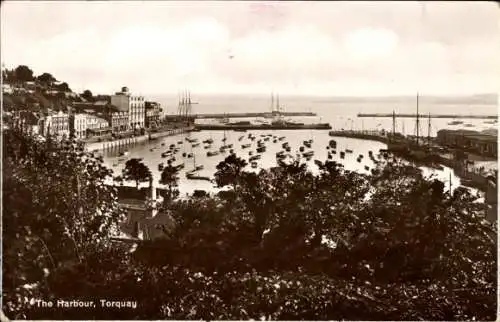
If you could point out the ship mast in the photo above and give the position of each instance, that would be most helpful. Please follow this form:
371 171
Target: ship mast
393 123
272 103
429 131
418 121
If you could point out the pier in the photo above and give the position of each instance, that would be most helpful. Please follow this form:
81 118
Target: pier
238 115
441 116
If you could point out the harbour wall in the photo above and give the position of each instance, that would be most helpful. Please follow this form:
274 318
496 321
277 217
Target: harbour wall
121 143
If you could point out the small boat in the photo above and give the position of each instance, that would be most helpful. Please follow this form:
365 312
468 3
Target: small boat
261 149
330 156
468 125
115 164
229 146
266 139
184 154
284 145
348 151
455 122
190 155
254 164
207 147
274 141
164 154
209 141
334 152
222 149
151 150
342 154
231 151
241 138
281 138
288 149
172 146
244 146
332 144
358 159
195 145
200 167
308 154
180 166
124 153
212 153
360 156
255 157
163 144
367 167
179 142
161 166
301 149
307 144
250 152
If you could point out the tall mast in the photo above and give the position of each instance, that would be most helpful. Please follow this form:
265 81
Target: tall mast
272 102
278 103
418 121
393 123
429 131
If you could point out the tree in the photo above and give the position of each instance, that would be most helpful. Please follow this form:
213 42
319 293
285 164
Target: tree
47 79
58 211
23 73
87 94
228 171
136 171
63 87
169 177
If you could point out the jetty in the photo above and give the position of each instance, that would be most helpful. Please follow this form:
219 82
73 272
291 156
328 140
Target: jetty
240 115
442 116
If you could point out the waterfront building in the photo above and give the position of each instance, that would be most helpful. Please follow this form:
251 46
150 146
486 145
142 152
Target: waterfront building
482 143
134 104
57 124
118 119
78 125
97 125
29 122
153 111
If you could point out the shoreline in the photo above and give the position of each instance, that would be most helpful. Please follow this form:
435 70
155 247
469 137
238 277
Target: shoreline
119 143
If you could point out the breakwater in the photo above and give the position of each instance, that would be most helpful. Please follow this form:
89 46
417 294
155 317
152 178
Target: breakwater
321 126
238 115
122 143
443 116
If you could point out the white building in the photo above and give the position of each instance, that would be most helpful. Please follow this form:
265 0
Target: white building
57 124
134 104
79 125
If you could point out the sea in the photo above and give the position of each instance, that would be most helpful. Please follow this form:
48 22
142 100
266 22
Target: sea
341 113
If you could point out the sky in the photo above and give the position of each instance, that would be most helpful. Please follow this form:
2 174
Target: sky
305 48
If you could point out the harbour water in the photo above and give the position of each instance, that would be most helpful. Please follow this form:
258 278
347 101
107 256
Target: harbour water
268 159
340 114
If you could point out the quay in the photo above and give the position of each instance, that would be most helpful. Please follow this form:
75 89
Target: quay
121 143
238 115
443 116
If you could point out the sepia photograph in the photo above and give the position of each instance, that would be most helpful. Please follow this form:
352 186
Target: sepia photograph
249 160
